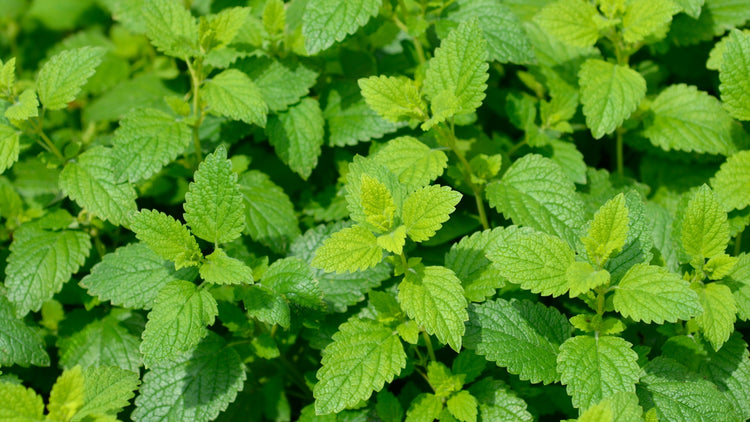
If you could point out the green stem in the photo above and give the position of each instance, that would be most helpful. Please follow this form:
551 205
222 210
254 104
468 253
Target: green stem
428 344
516 147
47 142
738 243
600 301
619 152
418 49
196 79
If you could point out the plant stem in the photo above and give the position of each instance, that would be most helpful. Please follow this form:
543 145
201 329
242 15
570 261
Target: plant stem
47 142
428 344
196 79
618 152
418 49
738 243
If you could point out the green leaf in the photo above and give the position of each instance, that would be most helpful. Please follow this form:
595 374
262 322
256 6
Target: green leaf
107 390
132 276
61 78
644 19
732 182
297 135
26 107
101 343
619 407
574 22
146 141
593 368
733 75
9 147
426 209
521 336
468 259
267 306
608 230
274 17
7 77
20 403
171 28
653 294
327 21
348 250
459 68
19 343
166 236
227 23
705 230
67 395
609 94
350 120
213 203
537 261
91 183
719 313
281 83
729 369
195 386
442 381
425 407
40 261
685 119
638 244
177 322
377 203
582 277
372 174
220 268
363 356
293 279
388 407
463 406
394 98
535 192
498 404
435 299
414 163
232 94
269 214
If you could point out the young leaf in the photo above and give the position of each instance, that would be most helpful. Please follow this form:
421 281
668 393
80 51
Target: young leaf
232 94
571 21
705 230
274 17
220 268
67 395
435 299
468 259
327 21
9 147
171 28
521 336
363 356
609 94
393 98
350 120
719 313
7 77
20 403
442 380
733 75
26 107
652 294
101 343
647 19
351 249
177 322
281 83
582 277
361 169
608 230
297 136
426 209
593 368
377 203
40 261
267 306
463 406
19 343
619 407
107 390
294 280
61 78
213 203
425 407
732 182
496 403
166 236
414 163
227 23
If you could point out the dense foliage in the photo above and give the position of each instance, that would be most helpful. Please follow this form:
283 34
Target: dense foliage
350 210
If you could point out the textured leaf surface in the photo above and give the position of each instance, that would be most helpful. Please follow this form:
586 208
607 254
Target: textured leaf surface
425 407
705 230
61 78
719 313
167 237
413 162
295 281
498 404
377 203
582 277
9 147
608 230
571 21
107 390
393 98
350 120
733 74
220 268
646 18
348 250
327 21
297 136
103 342
171 28
435 299
732 182
267 306
19 343
367 175
364 356
40 262
427 209
67 395
269 214
21 404
619 407
593 368
281 83
463 406
27 106
468 259
232 94
519 335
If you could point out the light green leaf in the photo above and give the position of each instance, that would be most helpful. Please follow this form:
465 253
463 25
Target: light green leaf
521 336
269 214
297 135
220 268
327 21
377 203
647 19
426 209
146 141
570 160
413 162
574 22
360 169
274 17
638 244
177 322
686 119
459 68
435 299
27 106
40 261
101 343
281 83
733 74
394 98
609 94
619 407
582 277
442 380
463 406
468 259
171 28
195 386
9 147
232 94
691 7
20 403
719 313
7 77
425 407
213 203
348 250
107 390
350 120
497 403
732 182
537 261
535 192
293 279
705 230
608 230
166 236
363 356
593 368
67 395
267 306
61 78
19 343
227 23
91 183
653 294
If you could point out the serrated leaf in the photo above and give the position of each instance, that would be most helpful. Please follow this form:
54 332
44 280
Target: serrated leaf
107 390
19 343
61 78
264 304
91 183
167 237
413 162
269 214
608 230
705 230
719 313
570 159
535 192
442 381
468 259
638 244
9 147
274 17
571 21
394 98
327 21
534 331
220 268
686 119
653 294
348 250
171 28
20 403
435 299
101 343
350 120
297 135
582 277
425 407
363 356
146 141
593 368
26 107
227 23
426 209
733 75
366 171
281 83
40 261
729 369
295 281
177 322
67 395
195 386
7 76
232 94
647 19
463 406
498 404
619 407
537 261
609 94
732 182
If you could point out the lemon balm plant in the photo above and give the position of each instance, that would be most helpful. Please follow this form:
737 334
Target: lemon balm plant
338 210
